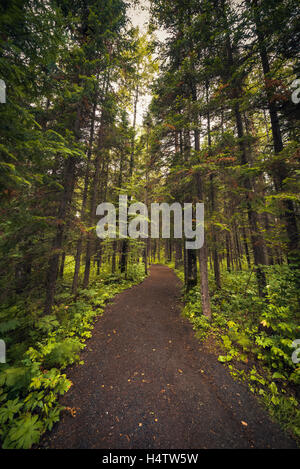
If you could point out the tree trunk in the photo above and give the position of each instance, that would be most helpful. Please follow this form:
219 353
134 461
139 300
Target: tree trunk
84 201
255 235
69 176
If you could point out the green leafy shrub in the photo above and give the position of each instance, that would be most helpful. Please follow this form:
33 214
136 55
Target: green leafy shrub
25 432
63 353
32 380
249 328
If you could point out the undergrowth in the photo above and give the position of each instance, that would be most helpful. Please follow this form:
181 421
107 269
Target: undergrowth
256 336
39 348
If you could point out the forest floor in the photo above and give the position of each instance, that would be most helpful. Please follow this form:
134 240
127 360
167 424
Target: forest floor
147 382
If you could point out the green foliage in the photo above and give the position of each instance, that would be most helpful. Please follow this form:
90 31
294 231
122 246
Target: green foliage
135 272
15 377
62 353
192 310
251 330
8 411
25 432
9 326
73 71
268 336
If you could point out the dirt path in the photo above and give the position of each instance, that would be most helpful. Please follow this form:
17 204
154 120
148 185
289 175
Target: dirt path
148 383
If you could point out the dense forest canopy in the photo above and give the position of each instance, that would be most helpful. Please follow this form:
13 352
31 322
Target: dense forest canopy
222 129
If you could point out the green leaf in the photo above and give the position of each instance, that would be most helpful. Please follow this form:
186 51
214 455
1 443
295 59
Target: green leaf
277 375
